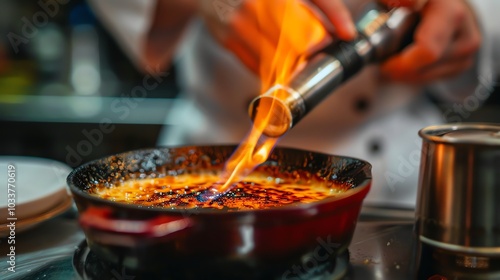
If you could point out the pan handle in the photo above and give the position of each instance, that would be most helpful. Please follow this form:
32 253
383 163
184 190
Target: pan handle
100 219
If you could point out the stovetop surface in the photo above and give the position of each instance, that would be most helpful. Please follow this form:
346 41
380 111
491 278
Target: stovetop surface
88 266
379 250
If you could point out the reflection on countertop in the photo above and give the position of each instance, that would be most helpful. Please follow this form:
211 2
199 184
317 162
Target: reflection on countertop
380 250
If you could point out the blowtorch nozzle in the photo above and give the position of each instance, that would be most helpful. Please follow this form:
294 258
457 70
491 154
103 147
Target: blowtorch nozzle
382 33
278 109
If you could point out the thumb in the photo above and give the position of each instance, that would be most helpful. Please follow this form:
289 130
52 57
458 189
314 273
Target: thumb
415 4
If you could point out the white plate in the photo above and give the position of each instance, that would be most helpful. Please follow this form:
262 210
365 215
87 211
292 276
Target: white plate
39 185
28 223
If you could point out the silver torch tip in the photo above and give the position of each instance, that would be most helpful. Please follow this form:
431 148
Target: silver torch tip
271 115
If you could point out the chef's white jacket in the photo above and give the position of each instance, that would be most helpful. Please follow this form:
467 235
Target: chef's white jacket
364 118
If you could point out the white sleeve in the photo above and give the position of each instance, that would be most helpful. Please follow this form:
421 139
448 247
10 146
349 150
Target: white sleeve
129 22
479 79
487 13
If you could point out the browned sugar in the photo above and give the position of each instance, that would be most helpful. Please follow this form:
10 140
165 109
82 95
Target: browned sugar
183 191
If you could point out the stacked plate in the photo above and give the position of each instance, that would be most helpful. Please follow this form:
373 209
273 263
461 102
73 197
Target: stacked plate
33 190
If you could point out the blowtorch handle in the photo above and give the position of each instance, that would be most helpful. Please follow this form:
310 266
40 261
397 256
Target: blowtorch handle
374 45
347 55
382 33
328 69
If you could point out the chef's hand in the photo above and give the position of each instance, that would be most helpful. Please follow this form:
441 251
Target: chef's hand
258 32
445 43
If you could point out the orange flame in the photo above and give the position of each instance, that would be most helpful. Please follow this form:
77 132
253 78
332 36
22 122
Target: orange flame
279 34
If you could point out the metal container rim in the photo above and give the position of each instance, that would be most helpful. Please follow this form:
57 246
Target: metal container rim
434 133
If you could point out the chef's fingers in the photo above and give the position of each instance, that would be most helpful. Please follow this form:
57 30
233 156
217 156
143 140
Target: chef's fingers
240 32
277 19
258 15
340 17
244 54
268 33
443 70
433 36
250 45
468 38
415 4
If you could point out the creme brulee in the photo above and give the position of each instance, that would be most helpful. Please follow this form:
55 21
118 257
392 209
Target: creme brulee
183 191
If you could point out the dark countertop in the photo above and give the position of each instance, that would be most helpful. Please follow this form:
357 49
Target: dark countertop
379 250
383 248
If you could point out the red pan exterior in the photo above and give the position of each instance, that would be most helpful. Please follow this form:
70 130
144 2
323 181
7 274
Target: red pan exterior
280 243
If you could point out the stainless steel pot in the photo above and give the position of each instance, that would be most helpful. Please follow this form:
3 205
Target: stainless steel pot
458 208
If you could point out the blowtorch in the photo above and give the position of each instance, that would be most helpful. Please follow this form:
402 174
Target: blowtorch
382 32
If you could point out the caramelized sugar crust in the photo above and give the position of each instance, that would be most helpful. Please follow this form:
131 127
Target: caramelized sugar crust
256 191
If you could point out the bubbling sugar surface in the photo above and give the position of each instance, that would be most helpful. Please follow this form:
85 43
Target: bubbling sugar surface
253 192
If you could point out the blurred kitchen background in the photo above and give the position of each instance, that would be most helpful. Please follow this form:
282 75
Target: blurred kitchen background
60 76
